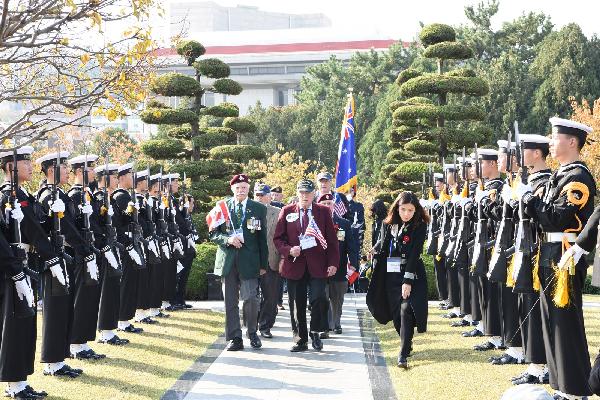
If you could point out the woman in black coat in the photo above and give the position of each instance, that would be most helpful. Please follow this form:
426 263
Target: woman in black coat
398 288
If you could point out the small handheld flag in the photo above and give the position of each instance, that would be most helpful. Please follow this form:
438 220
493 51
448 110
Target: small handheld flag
218 215
313 230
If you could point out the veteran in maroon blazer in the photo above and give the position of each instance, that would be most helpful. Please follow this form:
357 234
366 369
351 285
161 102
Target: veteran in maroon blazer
307 262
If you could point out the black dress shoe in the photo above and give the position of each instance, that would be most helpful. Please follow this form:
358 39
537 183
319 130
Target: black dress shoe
172 308
299 347
338 331
266 334
65 370
255 341
316 341
132 329
451 315
162 315
115 341
24 395
460 324
41 393
526 378
505 360
186 305
474 333
324 335
402 362
78 371
485 346
236 344
149 320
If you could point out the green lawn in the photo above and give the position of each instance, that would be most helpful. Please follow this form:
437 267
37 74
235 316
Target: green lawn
143 369
444 365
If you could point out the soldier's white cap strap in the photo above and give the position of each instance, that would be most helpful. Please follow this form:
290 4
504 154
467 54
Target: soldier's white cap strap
487 154
78 161
23 153
51 157
535 141
568 127
172 176
125 169
112 168
503 145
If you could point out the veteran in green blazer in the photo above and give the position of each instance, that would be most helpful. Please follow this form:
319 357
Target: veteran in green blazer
242 257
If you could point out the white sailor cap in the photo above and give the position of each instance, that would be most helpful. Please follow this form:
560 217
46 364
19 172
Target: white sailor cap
78 161
438 177
23 153
503 145
172 176
568 127
141 175
535 141
112 168
467 160
486 154
449 167
51 157
155 177
125 169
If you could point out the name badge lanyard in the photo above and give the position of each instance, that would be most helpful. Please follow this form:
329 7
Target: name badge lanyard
395 239
243 217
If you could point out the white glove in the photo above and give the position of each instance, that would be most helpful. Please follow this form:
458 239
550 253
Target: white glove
179 267
177 246
57 206
481 194
152 247
173 212
87 209
575 252
190 241
58 273
165 249
136 204
92 267
464 201
196 237
424 203
24 290
455 199
110 211
134 256
186 204
506 194
112 260
16 213
162 205
522 190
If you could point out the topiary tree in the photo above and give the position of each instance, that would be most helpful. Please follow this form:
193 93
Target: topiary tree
426 125
199 140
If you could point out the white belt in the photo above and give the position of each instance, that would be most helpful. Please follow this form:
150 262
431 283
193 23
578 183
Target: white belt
25 247
557 237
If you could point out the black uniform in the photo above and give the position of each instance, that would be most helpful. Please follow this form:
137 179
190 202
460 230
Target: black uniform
110 278
446 224
157 271
184 222
433 234
17 330
566 207
148 231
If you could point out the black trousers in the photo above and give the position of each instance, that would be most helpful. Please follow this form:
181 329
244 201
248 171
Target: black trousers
530 318
182 277
453 287
269 290
297 293
110 284
402 312
465 292
441 277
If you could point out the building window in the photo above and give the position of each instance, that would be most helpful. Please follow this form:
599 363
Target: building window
296 69
208 99
281 97
267 70
238 70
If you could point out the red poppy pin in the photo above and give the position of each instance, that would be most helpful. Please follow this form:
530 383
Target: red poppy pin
336 226
405 239
24 203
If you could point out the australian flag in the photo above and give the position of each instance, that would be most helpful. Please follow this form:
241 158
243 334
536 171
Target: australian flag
345 171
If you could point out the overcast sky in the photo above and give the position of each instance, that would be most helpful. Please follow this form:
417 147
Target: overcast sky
400 19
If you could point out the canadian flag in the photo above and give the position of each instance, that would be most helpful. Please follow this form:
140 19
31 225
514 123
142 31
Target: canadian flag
218 215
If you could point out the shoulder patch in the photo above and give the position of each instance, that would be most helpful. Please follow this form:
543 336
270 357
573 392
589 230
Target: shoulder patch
577 193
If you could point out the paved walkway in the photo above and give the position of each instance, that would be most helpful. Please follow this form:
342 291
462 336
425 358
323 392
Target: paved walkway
340 371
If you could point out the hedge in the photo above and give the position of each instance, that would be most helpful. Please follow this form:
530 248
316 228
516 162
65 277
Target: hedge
441 84
395 145
398 155
215 187
238 153
180 132
204 262
463 137
227 86
466 72
212 168
214 138
406 75
168 116
175 84
450 112
212 68
409 171
402 133
241 125
156 104
190 50
222 110
413 100
421 147
436 33
448 51
398 122
388 169
162 149
432 293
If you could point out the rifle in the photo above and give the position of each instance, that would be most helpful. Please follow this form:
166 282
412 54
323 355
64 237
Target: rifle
111 232
88 235
461 246
21 308
173 228
523 272
135 229
184 199
56 238
479 259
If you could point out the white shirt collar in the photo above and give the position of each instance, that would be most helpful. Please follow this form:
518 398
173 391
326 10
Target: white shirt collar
236 202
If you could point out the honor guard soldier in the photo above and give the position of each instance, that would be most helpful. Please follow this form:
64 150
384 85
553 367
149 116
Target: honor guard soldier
86 289
242 256
436 210
560 215
18 232
110 269
307 240
58 280
129 235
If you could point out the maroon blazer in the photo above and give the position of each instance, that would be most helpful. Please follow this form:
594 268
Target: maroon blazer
316 259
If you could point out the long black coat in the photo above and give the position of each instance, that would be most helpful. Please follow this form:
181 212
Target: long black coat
412 247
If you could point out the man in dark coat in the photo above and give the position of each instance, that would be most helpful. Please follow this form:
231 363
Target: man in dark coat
306 238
